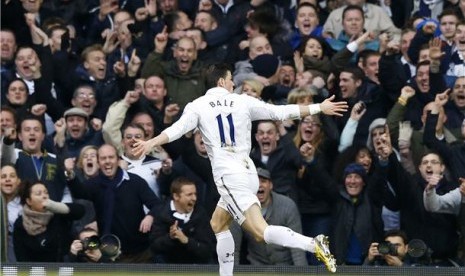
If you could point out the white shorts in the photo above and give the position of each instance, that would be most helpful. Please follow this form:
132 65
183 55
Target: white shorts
237 193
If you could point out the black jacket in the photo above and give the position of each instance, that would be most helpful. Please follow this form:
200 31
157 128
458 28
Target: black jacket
129 198
198 249
50 246
438 231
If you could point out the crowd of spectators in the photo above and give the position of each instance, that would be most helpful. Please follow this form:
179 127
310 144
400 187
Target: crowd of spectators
81 81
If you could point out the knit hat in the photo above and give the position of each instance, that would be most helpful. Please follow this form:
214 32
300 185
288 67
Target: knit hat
380 122
265 65
76 111
263 173
355 168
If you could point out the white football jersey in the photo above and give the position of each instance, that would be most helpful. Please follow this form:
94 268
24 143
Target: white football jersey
225 122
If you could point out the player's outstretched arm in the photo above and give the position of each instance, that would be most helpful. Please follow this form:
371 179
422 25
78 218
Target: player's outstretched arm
329 107
142 147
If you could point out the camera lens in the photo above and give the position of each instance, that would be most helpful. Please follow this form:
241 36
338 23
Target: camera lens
383 248
92 242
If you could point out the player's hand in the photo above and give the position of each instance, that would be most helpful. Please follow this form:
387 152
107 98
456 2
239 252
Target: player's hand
329 107
142 147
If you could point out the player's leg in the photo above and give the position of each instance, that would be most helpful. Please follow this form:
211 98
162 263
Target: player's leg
220 223
256 225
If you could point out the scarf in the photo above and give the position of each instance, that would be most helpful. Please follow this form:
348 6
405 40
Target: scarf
34 222
109 186
318 67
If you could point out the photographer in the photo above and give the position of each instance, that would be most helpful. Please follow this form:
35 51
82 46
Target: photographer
391 252
87 248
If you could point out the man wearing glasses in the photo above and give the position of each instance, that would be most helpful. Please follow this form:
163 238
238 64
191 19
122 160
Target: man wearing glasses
144 166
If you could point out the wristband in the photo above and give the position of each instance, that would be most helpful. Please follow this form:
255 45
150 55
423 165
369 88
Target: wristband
314 109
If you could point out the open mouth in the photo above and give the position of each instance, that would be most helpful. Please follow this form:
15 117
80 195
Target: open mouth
75 132
286 80
266 146
5 49
183 64
307 134
7 186
90 165
86 107
366 166
260 194
108 170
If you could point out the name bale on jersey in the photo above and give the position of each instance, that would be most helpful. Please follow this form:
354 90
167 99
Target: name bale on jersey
221 103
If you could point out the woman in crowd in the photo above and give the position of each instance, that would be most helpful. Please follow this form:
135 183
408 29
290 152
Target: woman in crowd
314 202
43 232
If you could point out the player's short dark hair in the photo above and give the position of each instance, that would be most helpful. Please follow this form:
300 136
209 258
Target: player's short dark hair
215 72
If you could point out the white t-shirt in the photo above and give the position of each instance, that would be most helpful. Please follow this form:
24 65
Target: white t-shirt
225 122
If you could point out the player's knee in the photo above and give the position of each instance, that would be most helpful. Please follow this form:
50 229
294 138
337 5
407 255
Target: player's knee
258 236
217 226
214 226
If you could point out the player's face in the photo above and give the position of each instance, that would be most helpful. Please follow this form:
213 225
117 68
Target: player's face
228 82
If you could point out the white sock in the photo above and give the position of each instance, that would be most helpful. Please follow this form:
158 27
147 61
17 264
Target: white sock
225 251
286 237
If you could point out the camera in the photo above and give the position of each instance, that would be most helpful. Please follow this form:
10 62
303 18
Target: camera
387 248
91 243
